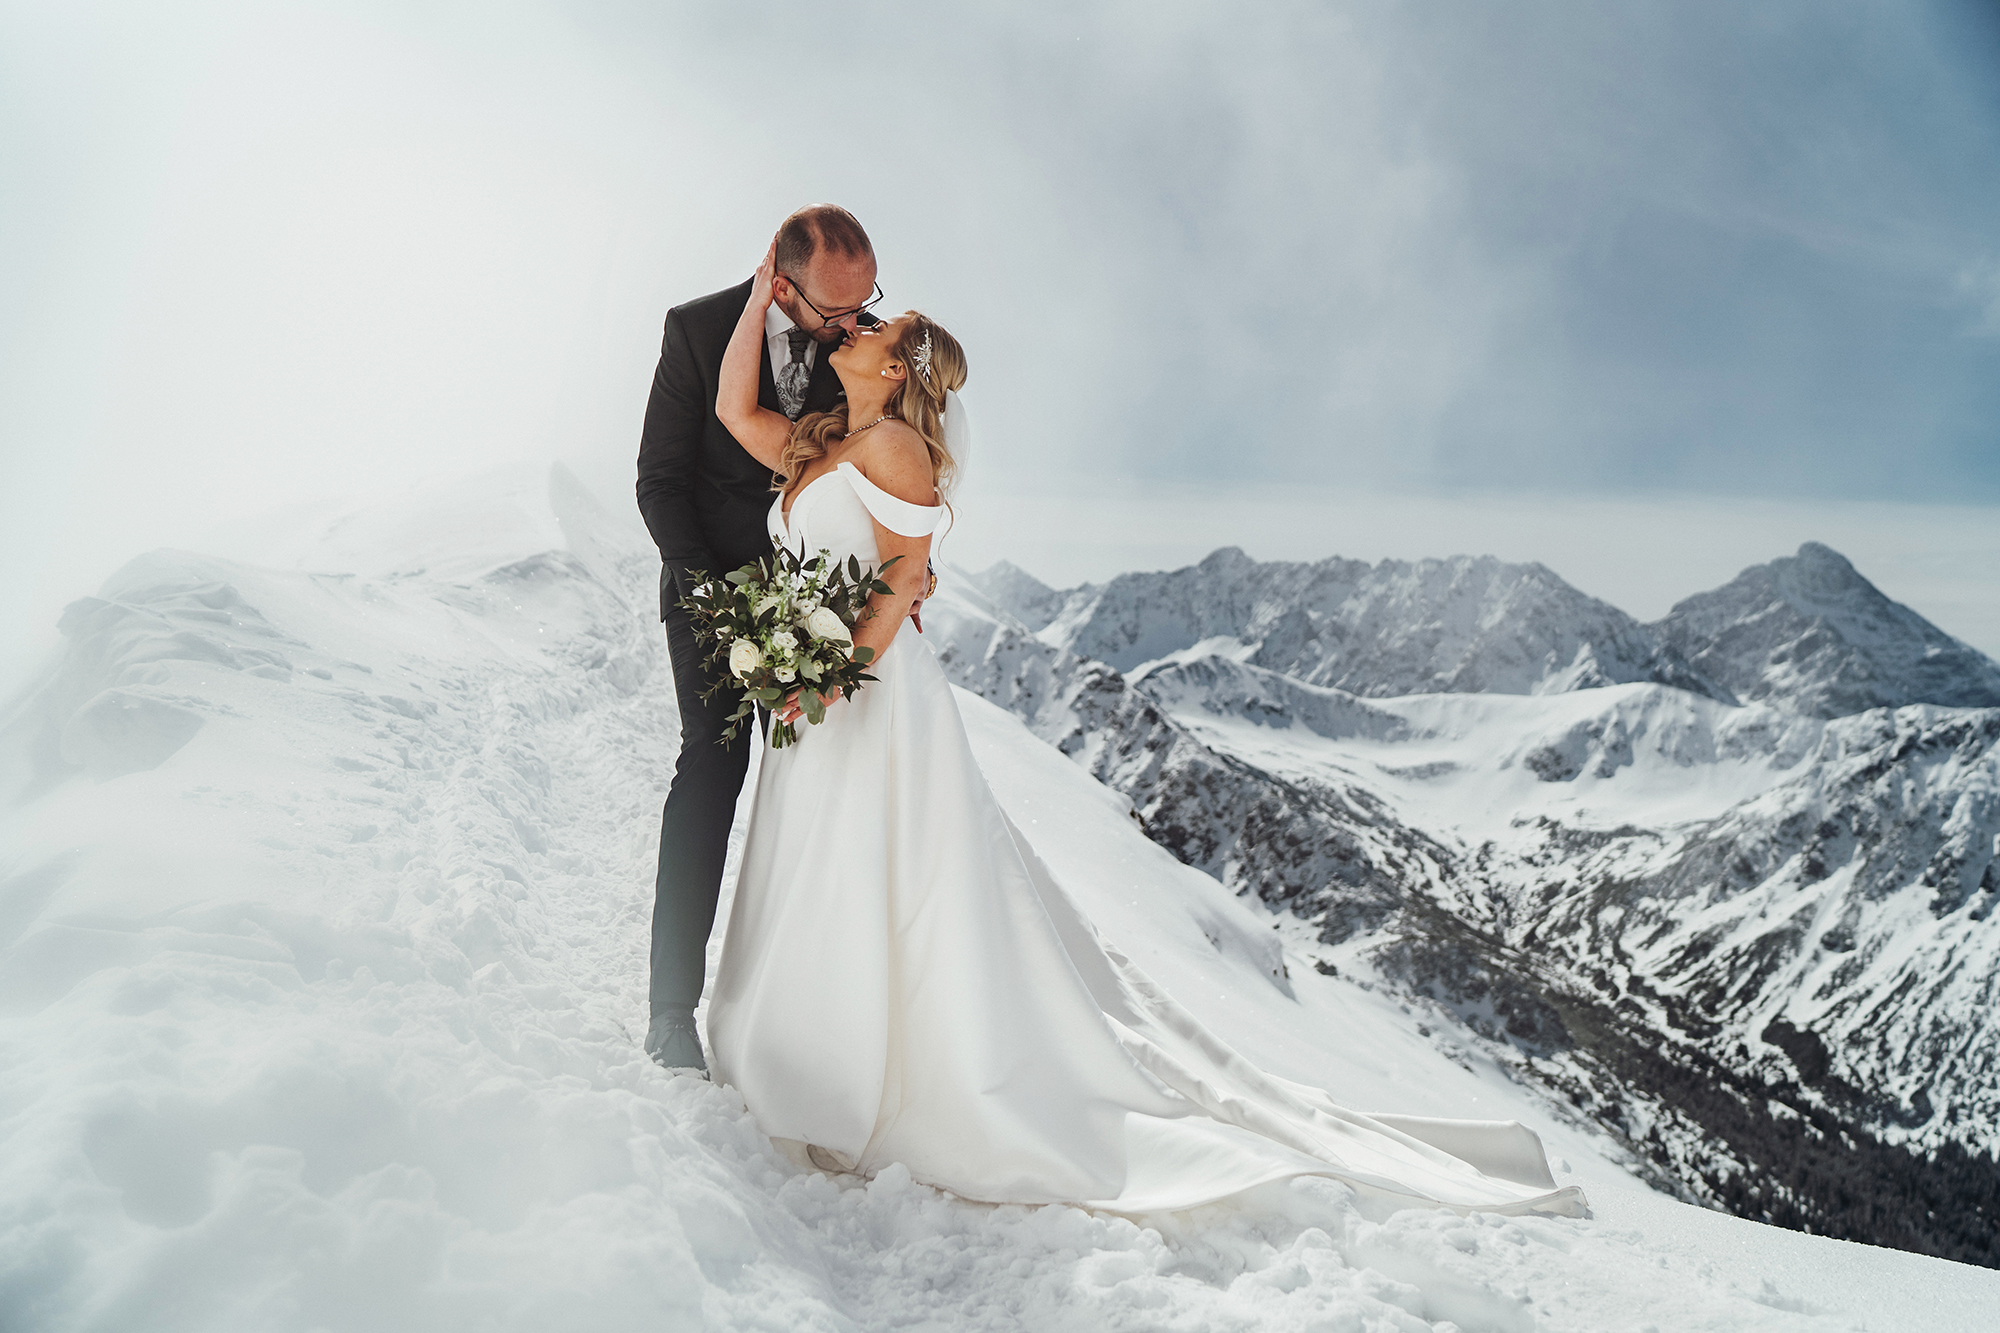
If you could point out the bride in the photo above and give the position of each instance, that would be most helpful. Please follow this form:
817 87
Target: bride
902 980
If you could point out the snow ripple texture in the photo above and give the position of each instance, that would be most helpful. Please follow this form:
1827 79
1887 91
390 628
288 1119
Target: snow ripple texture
324 903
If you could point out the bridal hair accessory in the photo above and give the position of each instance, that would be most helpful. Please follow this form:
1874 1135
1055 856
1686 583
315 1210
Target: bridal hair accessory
923 358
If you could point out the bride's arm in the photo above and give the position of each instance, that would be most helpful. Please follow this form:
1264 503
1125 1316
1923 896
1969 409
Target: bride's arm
906 579
760 431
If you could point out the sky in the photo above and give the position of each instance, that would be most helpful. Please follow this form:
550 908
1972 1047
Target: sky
1647 292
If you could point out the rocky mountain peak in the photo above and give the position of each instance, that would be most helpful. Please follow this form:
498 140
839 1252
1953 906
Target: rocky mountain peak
1821 579
1224 558
1020 593
1810 632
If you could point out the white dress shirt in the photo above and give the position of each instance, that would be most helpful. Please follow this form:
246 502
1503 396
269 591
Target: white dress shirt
776 325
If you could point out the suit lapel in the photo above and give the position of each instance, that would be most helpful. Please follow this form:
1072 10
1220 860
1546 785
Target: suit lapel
767 387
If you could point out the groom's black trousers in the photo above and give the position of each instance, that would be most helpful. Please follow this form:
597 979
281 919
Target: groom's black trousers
705 501
694 827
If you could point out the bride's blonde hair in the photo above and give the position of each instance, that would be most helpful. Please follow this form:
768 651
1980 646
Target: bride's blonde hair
919 402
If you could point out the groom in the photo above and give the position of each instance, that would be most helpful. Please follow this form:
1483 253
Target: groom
705 499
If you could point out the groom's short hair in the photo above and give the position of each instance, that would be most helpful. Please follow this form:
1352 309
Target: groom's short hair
818 227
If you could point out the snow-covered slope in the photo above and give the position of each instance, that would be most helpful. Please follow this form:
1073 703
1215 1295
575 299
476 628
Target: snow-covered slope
323 921
1733 934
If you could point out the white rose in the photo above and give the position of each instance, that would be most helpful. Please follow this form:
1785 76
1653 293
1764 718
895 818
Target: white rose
744 658
765 603
785 675
827 625
784 641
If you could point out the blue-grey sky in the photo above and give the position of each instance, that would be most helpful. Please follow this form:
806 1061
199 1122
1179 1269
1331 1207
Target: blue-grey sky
1615 254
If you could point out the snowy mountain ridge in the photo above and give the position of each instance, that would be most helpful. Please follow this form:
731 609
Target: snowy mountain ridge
1668 904
1805 632
1457 625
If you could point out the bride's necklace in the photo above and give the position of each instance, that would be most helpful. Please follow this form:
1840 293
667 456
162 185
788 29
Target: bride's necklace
876 422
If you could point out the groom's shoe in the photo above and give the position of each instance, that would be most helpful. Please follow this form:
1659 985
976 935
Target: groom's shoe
671 1041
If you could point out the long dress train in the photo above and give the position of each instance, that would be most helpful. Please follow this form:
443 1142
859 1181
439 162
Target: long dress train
903 981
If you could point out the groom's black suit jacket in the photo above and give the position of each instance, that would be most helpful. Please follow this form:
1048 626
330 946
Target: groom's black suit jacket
704 498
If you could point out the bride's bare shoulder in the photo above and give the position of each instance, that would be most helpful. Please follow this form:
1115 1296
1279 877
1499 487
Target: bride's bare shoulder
897 460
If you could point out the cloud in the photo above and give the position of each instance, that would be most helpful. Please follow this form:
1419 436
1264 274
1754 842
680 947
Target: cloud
1979 284
255 253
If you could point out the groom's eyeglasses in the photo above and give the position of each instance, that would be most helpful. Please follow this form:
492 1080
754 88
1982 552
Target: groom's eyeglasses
859 313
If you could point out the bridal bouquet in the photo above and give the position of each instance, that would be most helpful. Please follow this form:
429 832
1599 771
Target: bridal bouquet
782 624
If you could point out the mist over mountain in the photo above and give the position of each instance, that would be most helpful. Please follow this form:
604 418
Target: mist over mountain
1721 884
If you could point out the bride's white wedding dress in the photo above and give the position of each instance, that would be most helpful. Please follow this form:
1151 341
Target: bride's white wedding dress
903 981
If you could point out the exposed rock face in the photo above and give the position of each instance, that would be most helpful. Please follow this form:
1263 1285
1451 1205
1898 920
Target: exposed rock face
1213 810
1459 625
1752 939
1812 634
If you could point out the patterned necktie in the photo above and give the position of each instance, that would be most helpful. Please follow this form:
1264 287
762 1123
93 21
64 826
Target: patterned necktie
792 376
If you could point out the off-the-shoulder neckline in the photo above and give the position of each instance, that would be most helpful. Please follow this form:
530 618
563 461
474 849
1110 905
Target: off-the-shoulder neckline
845 466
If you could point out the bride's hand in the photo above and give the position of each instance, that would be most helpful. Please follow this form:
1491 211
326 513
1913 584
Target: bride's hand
760 286
791 710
